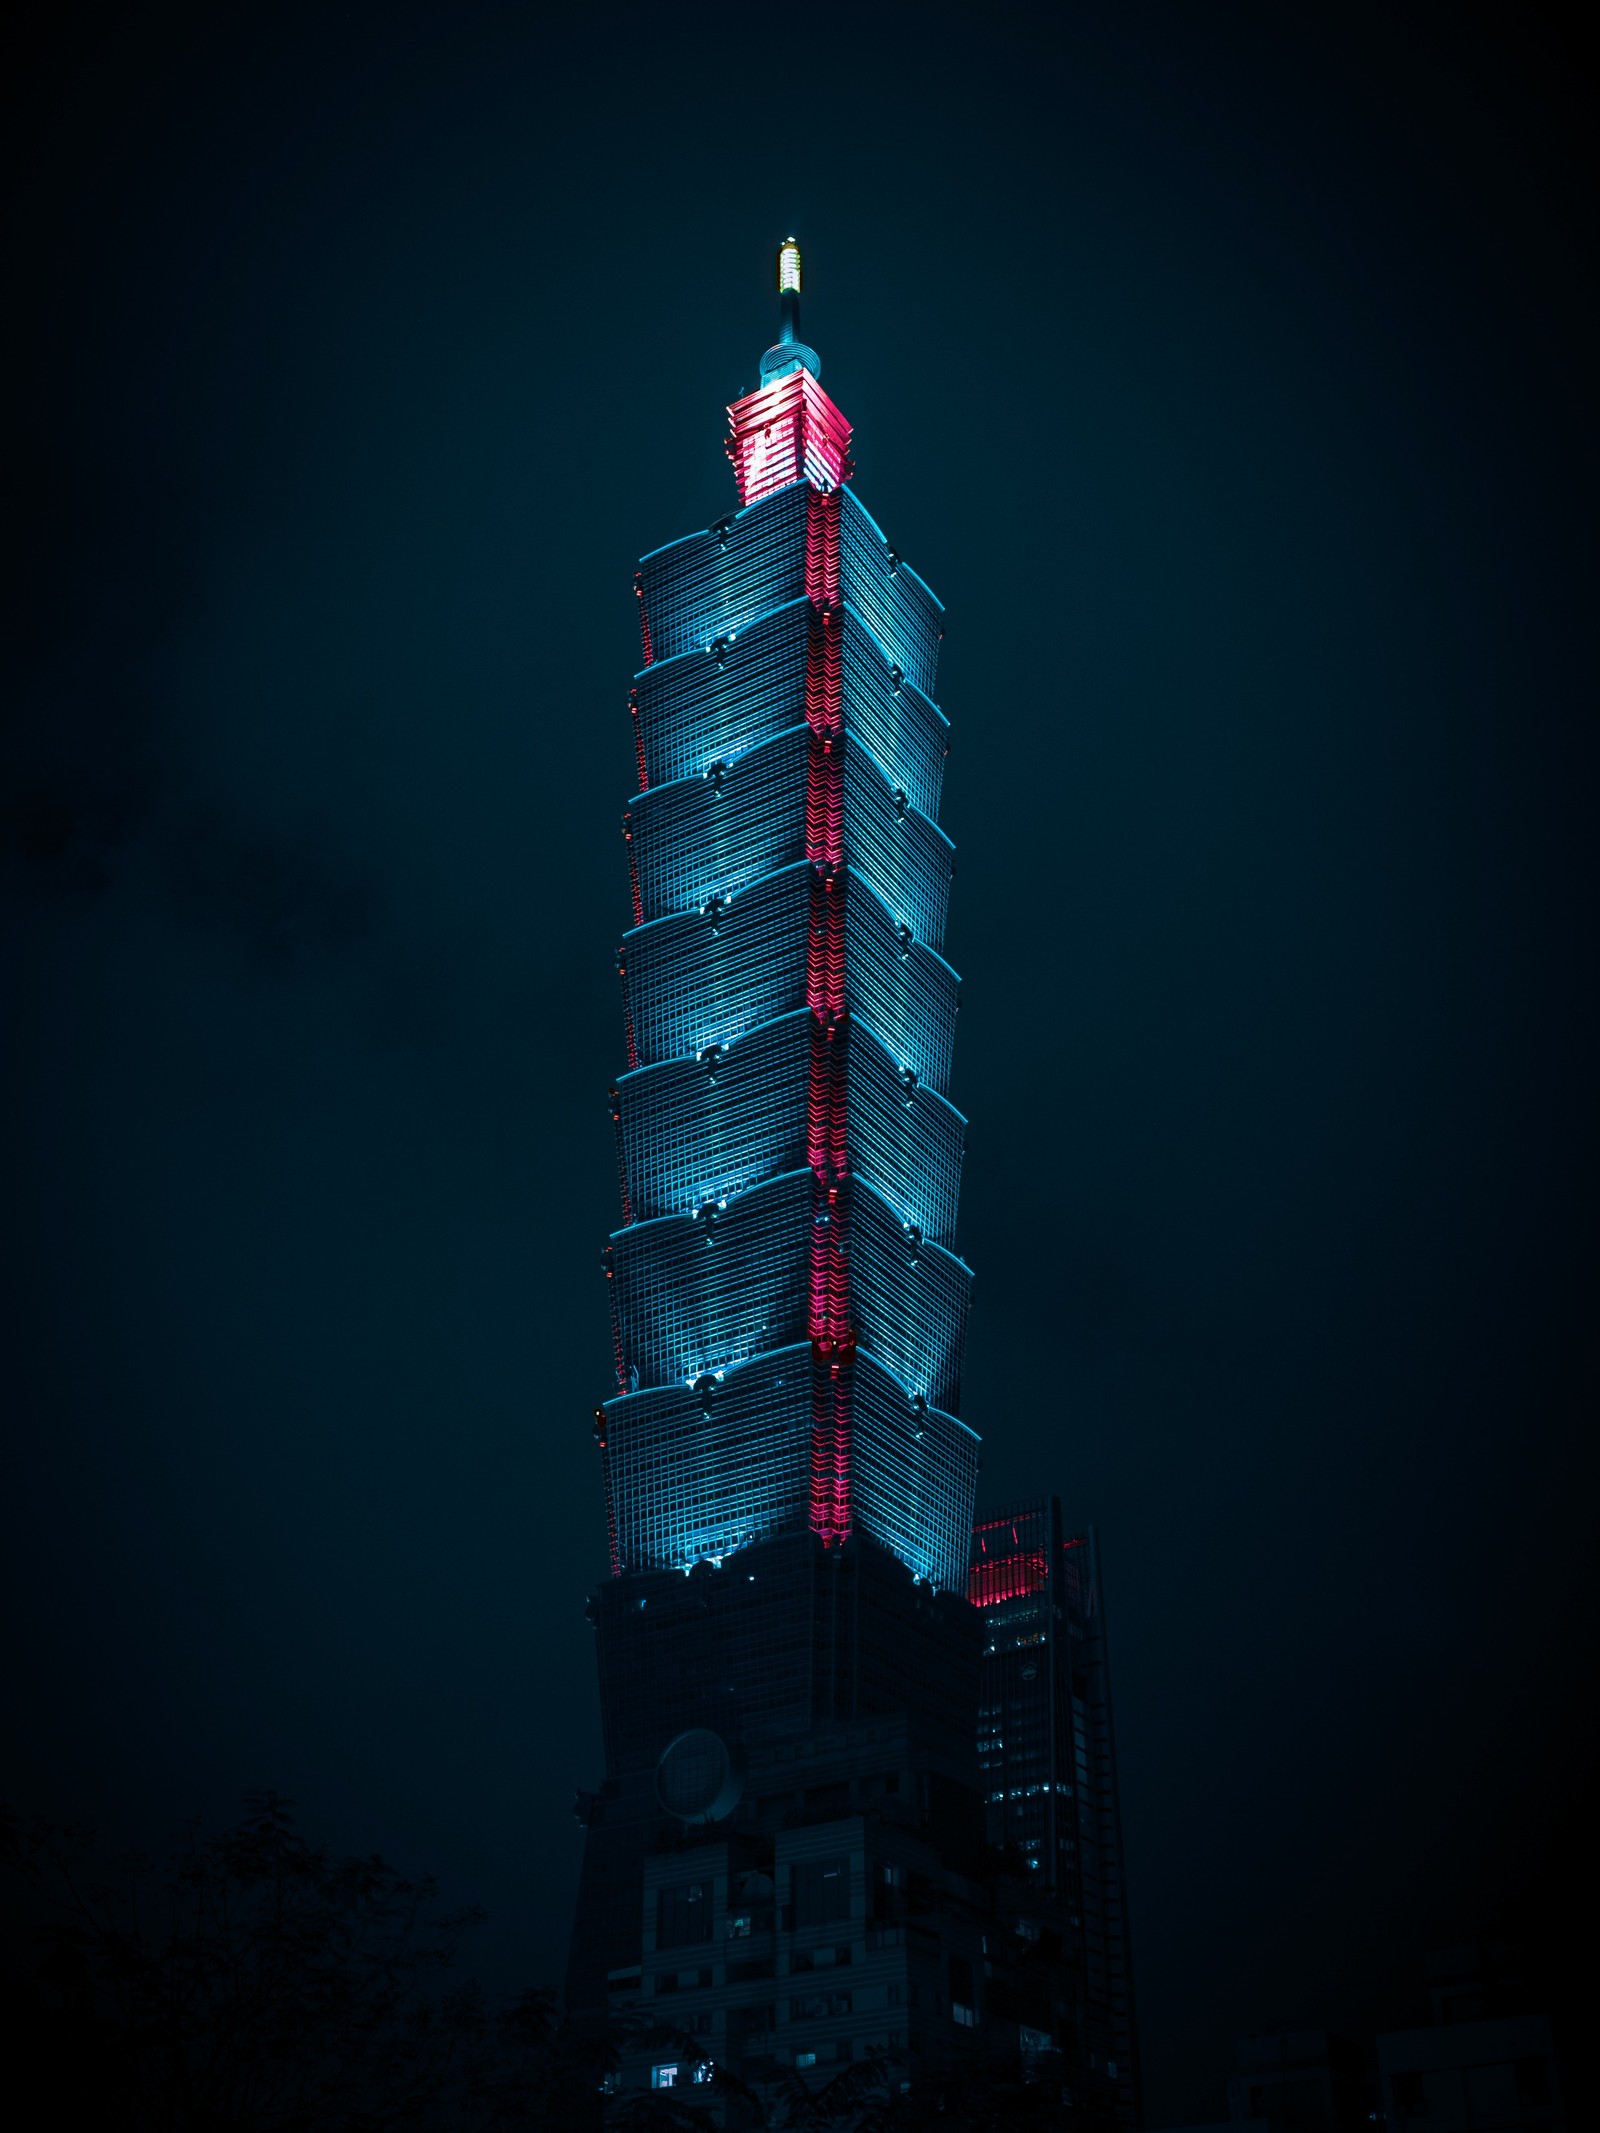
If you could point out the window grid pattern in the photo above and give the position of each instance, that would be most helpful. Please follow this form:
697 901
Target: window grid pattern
789 1163
915 1474
693 1130
696 1294
907 1139
1046 1743
900 611
909 1298
906 994
711 835
908 859
911 1304
714 833
704 978
714 584
706 1473
708 707
905 730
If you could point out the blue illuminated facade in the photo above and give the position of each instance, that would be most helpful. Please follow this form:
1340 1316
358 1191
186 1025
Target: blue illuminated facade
788 1307
785 1866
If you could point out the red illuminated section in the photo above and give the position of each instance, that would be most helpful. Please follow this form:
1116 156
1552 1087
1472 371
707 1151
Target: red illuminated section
784 433
1008 1568
1007 1577
832 1334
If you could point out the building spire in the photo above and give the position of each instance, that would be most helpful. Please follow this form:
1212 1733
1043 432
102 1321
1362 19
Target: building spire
788 290
789 353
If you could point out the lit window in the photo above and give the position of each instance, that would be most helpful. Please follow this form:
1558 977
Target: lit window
805 2058
664 2077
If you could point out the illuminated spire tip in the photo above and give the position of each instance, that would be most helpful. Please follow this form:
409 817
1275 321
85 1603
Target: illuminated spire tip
789 352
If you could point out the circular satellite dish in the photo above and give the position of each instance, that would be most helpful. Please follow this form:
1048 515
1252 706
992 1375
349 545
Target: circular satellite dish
699 1778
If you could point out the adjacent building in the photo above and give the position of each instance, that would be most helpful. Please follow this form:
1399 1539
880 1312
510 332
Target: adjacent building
1047 1755
1486 2062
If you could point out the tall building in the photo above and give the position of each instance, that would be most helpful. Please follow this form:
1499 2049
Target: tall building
1047 1751
785 1872
788 1312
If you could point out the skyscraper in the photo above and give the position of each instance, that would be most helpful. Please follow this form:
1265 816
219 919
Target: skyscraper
785 1870
1047 1749
787 1311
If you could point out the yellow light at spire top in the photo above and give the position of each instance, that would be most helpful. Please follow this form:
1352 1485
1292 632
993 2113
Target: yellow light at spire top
788 266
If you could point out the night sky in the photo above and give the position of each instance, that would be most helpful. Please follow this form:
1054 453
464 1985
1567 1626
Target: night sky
1228 372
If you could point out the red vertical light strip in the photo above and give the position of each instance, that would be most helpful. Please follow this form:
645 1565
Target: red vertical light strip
821 1099
627 1009
622 1156
644 619
608 1260
822 548
833 1343
633 870
638 740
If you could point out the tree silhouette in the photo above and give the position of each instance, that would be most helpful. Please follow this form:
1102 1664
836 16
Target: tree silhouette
257 1983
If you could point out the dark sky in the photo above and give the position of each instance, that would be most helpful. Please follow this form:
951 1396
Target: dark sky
1228 371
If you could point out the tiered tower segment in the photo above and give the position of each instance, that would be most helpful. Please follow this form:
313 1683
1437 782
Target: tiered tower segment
788 1309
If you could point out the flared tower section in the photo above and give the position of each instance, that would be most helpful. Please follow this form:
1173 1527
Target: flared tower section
788 1307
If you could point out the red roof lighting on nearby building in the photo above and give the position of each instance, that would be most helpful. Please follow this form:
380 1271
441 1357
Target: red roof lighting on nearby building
1007 1577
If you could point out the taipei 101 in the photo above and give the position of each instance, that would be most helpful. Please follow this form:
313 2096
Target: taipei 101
797 872
852 1738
